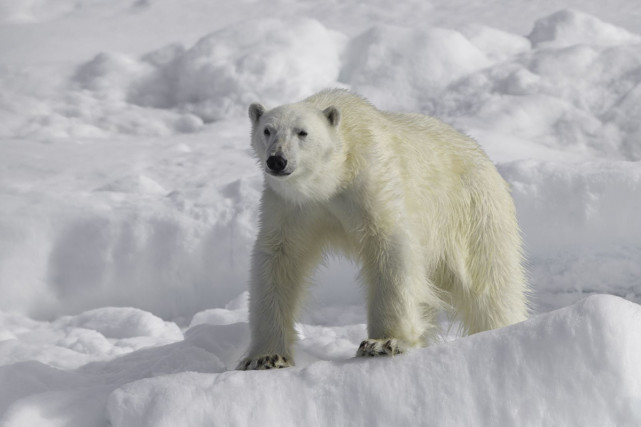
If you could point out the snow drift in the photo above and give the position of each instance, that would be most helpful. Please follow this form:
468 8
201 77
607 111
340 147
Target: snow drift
576 366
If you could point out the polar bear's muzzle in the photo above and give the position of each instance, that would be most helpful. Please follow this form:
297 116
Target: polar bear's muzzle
277 165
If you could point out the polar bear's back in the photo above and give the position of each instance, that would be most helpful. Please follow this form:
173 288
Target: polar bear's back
424 153
440 170
416 134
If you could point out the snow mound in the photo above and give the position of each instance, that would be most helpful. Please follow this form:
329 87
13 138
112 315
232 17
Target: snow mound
569 27
134 184
43 396
72 341
175 89
237 310
576 366
572 83
109 74
396 67
122 322
227 70
497 45
578 100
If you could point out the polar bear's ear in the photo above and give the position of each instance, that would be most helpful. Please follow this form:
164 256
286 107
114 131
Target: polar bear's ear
333 115
255 111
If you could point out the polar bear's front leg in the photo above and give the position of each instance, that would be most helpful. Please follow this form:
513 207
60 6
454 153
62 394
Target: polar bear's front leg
282 261
275 293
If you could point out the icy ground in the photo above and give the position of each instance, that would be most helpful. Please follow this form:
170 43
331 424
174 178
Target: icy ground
126 181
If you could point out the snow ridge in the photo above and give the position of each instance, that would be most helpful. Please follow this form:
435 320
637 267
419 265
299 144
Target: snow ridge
576 366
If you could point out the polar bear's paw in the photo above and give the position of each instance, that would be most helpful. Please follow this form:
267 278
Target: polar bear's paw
379 347
265 361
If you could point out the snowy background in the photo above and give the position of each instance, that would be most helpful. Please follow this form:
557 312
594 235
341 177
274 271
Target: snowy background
128 206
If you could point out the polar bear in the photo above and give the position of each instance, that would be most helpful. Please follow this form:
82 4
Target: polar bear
417 204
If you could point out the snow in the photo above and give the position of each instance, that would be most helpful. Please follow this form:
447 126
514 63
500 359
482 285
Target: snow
576 366
569 27
489 379
380 66
129 204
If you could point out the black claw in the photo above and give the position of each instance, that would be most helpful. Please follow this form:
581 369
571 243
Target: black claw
268 361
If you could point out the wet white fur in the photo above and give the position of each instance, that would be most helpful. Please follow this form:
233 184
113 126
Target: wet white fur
418 204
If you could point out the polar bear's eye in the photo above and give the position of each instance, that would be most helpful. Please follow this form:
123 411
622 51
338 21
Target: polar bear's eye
267 132
302 134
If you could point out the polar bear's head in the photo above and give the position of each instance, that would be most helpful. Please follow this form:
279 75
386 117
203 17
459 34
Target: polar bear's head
298 147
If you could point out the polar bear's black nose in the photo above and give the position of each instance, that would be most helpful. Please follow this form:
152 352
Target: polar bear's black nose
276 163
